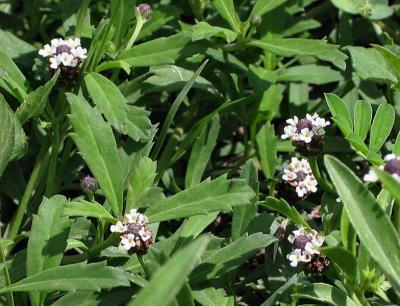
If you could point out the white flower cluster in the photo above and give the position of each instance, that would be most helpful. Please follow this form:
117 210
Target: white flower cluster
299 175
64 52
133 230
306 245
392 166
305 129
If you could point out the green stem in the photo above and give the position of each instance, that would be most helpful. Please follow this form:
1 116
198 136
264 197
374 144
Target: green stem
33 180
10 298
144 266
139 25
81 17
313 160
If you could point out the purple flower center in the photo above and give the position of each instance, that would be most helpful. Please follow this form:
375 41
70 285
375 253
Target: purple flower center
393 166
89 183
63 49
301 241
134 228
304 124
301 176
145 10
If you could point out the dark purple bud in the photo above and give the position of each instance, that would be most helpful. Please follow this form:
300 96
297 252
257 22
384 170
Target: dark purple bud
134 228
301 176
301 241
304 124
63 49
145 10
89 183
256 21
393 166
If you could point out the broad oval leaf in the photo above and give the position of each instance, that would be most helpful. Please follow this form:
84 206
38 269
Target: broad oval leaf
370 221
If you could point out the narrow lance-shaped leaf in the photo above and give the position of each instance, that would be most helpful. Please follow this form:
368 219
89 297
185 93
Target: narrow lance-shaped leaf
170 278
73 277
209 196
301 47
362 119
201 153
47 240
95 141
88 209
12 137
339 110
266 144
264 6
226 9
112 104
381 126
370 221
35 102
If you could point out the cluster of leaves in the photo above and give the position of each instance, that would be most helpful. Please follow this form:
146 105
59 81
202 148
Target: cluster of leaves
184 126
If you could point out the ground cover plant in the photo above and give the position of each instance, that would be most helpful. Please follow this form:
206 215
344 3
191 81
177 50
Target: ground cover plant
201 152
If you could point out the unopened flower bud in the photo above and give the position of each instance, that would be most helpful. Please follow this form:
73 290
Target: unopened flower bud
145 10
301 241
89 183
256 21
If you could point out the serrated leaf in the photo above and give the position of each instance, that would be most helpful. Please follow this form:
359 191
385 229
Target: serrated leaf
201 152
126 119
288 47
88 209
220 261
160 51
47 240
381 126
169 279
370 221
371 65
35 102
209 196
362 119
73 277
95 141
12 137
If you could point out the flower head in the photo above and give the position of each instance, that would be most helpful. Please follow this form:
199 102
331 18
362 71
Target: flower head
298 175
392 167
64 53
145 10
88 183
133 232
306 134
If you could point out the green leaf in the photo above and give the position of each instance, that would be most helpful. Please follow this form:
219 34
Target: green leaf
47 240
389 183
345 260
204 30
312 74
12 137
242 215
264 6
381 126
95 141
35 102
11 78
201 152
140 190
396 148
209 196
324 293
390 57
15 48
160 51
88 209
122 15
123 117
358 144
339 109
217 262
288 47
226 9
73 277
371 65
371 223
285 209
267 152
362 119
213 297
169 279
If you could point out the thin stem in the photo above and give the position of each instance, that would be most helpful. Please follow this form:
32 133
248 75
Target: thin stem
313 160
81 17
144 266
139 25
10 297
33 180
